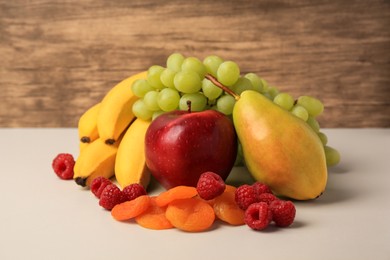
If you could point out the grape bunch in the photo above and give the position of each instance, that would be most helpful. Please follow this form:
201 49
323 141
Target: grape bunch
187 79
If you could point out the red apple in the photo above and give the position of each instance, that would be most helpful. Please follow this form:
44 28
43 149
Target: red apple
181 145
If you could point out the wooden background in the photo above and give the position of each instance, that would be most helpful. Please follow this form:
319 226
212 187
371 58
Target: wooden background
57 58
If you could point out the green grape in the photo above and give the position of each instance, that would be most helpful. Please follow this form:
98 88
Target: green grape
273 92
140 87
300 112
211 91
313 106
313 123
212 63
175 61
214 107
167 77
228 73
157 114
198 102
268 95
141 111
154 73
168 99
264 83
187 82
150 100
257 83
323 138
211 103
225 104
284 100
332 156
194 64
241 85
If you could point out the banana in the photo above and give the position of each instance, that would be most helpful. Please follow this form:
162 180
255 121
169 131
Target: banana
82 146
130 166
115 112
87 126
96 159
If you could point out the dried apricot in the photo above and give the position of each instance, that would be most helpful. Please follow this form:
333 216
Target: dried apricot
130 209
154 217
230 188
175 193
227 210
191 214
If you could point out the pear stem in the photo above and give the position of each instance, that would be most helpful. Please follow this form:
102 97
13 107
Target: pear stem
223 87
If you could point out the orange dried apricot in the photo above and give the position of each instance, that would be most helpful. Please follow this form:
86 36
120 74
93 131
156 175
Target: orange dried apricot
230 188
227 210
191 214
154 217
175 193
130 209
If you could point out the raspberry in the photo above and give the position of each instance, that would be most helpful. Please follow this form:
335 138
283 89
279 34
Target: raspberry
245 196
63 165
98 184
261 188
133 191
283 212
258 216
266 197
210 185
111 196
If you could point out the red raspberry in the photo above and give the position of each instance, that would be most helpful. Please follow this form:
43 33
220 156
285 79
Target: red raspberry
261 188
210 185
266 197
111 196
245 196
98 184
133 191
63 165
258 216
283 212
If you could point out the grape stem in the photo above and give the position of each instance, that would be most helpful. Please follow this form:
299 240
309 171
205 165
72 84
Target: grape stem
223 87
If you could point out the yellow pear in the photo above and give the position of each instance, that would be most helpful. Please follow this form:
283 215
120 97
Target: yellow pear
280 149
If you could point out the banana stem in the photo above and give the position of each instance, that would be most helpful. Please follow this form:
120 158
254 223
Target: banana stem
81 181
223 87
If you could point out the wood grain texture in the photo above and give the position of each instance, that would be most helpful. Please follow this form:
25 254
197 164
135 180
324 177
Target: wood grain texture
57 58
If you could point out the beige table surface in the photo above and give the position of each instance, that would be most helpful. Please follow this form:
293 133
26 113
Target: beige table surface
43 217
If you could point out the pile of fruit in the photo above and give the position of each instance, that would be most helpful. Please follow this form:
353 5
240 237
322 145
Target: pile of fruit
179 122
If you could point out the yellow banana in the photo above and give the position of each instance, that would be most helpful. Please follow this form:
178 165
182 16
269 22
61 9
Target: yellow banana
96 159
87 126
82 146
116 113
130 166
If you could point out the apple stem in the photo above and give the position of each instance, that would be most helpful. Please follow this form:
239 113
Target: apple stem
223 87
189 106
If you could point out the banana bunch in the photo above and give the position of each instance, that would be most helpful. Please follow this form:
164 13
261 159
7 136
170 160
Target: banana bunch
112 139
